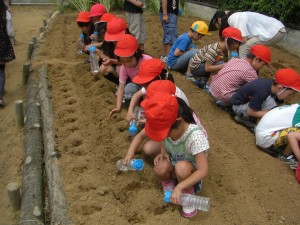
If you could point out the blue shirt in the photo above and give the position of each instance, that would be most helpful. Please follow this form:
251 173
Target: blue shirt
255 92
182 43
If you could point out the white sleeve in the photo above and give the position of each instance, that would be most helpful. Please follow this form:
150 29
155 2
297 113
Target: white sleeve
9 25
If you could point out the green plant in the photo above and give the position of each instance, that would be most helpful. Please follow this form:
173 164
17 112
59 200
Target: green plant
111 4
81 5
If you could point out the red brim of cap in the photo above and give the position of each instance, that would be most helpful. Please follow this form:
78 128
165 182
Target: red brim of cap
140 79
113 37
93 15
156 134
123 53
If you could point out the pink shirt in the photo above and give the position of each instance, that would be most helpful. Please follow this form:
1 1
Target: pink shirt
126 72
231 78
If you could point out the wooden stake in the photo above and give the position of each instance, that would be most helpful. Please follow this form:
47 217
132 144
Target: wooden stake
19 113
25 73
30 50
41 29
14 196
44 23
33 40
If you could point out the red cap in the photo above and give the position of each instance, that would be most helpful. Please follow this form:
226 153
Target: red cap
261 52
166 86
148 70
126 46
161 111
231 32
288 78
115 29
83 17
298 173
97 10
107 17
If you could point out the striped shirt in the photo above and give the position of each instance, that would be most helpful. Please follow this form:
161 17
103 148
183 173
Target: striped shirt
231 78
208 54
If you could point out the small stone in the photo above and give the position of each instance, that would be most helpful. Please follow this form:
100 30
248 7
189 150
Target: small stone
101 192
37 211
28 160
282 218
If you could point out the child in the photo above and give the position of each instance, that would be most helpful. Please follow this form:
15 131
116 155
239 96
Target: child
101 26
210 59
152 147
135 20
130 56
259 96
168 16
109 69
183 151
181 52
280 127
96 12
87 28
6 49
238 72
256 28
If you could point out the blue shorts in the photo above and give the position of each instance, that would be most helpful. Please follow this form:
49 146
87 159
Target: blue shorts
170 29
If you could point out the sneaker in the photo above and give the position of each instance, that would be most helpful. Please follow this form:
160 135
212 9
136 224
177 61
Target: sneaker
164 58
168 185
206 88
201 82
189 76
290 160
2 104
188 212
246 122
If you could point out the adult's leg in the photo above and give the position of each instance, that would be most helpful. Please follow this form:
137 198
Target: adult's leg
2 80
244 49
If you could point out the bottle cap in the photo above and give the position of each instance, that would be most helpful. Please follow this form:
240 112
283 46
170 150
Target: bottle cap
96 33
138 164
92 48
132 129
234 54
81 36
167 197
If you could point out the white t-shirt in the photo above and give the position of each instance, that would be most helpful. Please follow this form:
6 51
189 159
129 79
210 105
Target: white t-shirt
253 24
9 26
277 119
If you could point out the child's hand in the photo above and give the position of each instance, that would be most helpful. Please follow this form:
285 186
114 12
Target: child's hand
127 158
107 61
93 36
142 121
139 4
175 197
112 112
130 116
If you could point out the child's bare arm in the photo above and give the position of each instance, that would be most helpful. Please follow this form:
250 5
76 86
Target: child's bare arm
294 140
136 142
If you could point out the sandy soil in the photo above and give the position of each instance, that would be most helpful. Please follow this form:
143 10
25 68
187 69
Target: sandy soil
27 21
246 185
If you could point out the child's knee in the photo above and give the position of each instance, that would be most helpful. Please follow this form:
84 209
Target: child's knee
151 148
184 169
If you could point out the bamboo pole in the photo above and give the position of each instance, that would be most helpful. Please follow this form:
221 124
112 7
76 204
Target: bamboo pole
30 50
25 73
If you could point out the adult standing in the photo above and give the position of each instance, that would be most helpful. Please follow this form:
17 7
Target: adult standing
168 17
135 20
6 49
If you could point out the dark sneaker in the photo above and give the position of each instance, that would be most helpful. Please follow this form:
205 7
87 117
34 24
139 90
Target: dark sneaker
164 58
2 104
246 122
201 82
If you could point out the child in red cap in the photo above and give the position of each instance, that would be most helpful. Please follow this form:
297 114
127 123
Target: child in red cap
96 12
238 72
152 147
116 28
253 100
280 129
183 149
130 56
210 59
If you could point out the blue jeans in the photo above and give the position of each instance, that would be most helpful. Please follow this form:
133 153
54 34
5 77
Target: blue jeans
183 60
170 29
2 80
200 71
130 90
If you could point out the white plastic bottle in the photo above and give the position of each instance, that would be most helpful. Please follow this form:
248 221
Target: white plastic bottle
134 164
95 38
199 202
80 44
94 59
138 113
